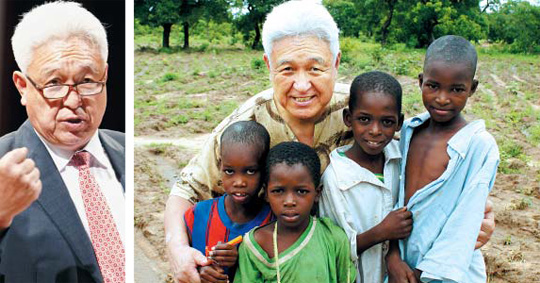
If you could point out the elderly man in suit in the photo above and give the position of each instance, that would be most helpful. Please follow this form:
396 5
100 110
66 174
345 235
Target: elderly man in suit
61 179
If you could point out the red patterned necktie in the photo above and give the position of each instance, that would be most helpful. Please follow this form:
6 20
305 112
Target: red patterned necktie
103 231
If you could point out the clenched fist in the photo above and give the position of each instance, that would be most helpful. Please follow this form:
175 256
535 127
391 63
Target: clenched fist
19 184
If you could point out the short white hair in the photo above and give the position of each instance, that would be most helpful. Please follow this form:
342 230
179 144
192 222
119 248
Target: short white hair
300 18
57 20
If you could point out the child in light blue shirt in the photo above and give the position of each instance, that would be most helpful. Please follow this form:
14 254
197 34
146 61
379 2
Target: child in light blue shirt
449 168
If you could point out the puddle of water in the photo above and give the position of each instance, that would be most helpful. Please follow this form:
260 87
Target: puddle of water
168 171
192 143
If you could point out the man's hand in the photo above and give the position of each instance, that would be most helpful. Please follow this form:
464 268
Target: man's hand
488 226
224 255
19 186
213 273
184 261
398 270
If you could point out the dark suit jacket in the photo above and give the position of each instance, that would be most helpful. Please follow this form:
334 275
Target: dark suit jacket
47 242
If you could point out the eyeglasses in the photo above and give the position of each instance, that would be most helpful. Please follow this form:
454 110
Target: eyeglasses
61 90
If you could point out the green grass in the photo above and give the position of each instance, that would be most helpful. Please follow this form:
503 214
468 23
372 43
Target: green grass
358 57
159 148
169 77
511 153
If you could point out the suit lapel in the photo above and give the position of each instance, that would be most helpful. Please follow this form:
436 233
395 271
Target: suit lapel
56 201
116 154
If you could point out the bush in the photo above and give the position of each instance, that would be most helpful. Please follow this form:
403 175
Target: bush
257 64
169 77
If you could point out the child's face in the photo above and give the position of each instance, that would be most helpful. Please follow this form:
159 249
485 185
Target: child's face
373 121
241 171
445 89
291 194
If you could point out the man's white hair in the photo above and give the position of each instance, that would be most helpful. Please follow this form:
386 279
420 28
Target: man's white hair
300 18
57 20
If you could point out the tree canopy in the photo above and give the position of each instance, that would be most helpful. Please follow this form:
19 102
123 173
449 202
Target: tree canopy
415 23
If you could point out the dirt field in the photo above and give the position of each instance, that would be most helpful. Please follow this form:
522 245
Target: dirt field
180 97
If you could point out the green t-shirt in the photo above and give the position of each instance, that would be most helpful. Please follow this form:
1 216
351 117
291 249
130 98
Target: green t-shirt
321 254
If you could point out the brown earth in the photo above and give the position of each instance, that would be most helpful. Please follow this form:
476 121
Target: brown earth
508 86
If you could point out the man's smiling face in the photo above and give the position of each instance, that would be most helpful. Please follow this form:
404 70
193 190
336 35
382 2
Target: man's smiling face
303 76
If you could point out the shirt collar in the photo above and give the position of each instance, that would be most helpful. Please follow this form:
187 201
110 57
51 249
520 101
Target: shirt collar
349 178
460 141
61 157
419 119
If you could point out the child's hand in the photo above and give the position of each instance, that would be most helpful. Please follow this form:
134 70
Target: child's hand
396 225
398 270
224 255
213 273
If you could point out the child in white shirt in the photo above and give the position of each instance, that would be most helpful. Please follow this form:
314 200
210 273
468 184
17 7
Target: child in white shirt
361 183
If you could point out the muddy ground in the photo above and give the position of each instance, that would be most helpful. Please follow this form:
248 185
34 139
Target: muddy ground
171 124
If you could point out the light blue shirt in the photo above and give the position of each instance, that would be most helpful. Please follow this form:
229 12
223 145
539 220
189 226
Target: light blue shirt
448 212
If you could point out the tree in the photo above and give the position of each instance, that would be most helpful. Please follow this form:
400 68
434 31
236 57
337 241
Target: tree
253 19
162 13
386 25
420 22
516 23
346 15
165 13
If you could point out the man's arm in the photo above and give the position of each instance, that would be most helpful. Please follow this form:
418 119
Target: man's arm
19 186
488 226
182 258
197 181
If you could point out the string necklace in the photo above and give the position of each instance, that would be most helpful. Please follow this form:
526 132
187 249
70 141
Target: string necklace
276 257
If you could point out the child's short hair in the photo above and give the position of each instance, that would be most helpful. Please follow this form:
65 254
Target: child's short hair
375 81
292 153
247 132
452 49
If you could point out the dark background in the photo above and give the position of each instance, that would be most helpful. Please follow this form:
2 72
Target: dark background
111 14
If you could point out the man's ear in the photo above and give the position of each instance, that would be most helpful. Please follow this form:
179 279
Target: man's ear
338 61
420 79
106 76
267 62
473 87
347 117
19 79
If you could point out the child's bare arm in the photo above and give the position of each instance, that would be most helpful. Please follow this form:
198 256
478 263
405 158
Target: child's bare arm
398 270
224 255
396 225
212 273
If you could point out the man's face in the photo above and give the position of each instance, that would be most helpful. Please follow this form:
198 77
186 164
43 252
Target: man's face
303 77
67 122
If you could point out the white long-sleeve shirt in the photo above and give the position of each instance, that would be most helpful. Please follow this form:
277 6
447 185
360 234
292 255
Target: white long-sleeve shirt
357 200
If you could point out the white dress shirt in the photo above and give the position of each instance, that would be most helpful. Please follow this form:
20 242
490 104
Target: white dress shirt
357 201
103 173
